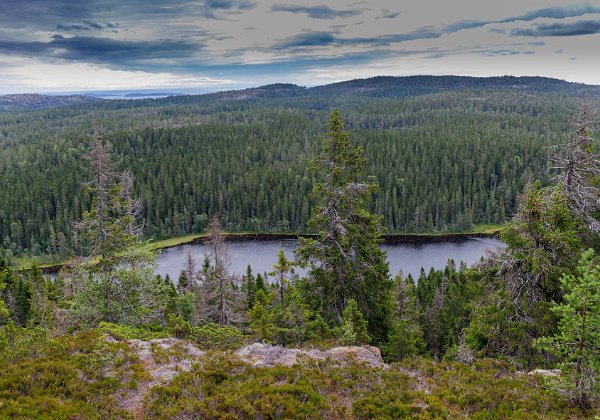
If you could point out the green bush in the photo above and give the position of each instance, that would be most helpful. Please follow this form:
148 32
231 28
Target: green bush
72 376
212 336
17 343
125 332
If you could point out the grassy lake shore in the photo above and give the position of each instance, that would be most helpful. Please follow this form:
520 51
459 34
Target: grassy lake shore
481 231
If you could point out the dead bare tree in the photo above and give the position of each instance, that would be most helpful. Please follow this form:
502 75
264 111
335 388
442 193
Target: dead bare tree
222 300
578 166
131 208
189 275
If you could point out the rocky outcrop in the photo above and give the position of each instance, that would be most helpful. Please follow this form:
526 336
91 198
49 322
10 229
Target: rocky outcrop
161 359
260 354
544 372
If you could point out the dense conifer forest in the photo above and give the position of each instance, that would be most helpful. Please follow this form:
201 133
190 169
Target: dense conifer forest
447 152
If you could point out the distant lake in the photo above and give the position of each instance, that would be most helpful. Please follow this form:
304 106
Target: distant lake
262 254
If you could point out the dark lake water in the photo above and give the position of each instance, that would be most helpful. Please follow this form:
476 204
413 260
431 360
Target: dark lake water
261 255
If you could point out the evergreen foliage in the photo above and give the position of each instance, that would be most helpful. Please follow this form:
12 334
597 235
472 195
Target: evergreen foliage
406 333
444 161
345 261
353 328
577 340
122 288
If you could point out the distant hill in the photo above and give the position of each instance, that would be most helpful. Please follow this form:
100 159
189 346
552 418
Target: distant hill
404 86
33 101
420 85
373 87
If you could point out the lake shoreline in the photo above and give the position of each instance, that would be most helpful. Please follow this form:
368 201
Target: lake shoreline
388 239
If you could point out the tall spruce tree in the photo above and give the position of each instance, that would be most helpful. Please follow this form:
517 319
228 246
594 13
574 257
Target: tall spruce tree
577 341
122 288
345 261
111 225
406 335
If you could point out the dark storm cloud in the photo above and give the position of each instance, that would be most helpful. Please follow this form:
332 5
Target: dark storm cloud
210 6
88 25
316 12
102 50
321 39
559 12
387 14
582 27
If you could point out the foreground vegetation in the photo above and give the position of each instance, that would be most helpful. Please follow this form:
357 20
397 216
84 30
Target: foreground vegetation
85 375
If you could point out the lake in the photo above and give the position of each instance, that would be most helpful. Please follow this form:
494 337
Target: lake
262 254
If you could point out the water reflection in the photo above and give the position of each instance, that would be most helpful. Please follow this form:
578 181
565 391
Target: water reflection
261 255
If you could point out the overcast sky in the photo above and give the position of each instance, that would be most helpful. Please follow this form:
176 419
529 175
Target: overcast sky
68 45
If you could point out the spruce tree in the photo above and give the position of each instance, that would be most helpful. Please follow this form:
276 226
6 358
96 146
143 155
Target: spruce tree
249 287
577 341
282 269
345 261
112 224
122 287
353 329
406 336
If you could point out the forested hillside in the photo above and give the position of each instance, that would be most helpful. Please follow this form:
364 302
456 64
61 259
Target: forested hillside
448 152
36 101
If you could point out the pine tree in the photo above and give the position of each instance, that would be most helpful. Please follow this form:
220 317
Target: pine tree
345 261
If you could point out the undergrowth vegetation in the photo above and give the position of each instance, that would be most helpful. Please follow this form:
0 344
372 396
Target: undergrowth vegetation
85 375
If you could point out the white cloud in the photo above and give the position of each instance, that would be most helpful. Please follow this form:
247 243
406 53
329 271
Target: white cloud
30 75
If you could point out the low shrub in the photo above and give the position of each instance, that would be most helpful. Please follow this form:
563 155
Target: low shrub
213 336
124 332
